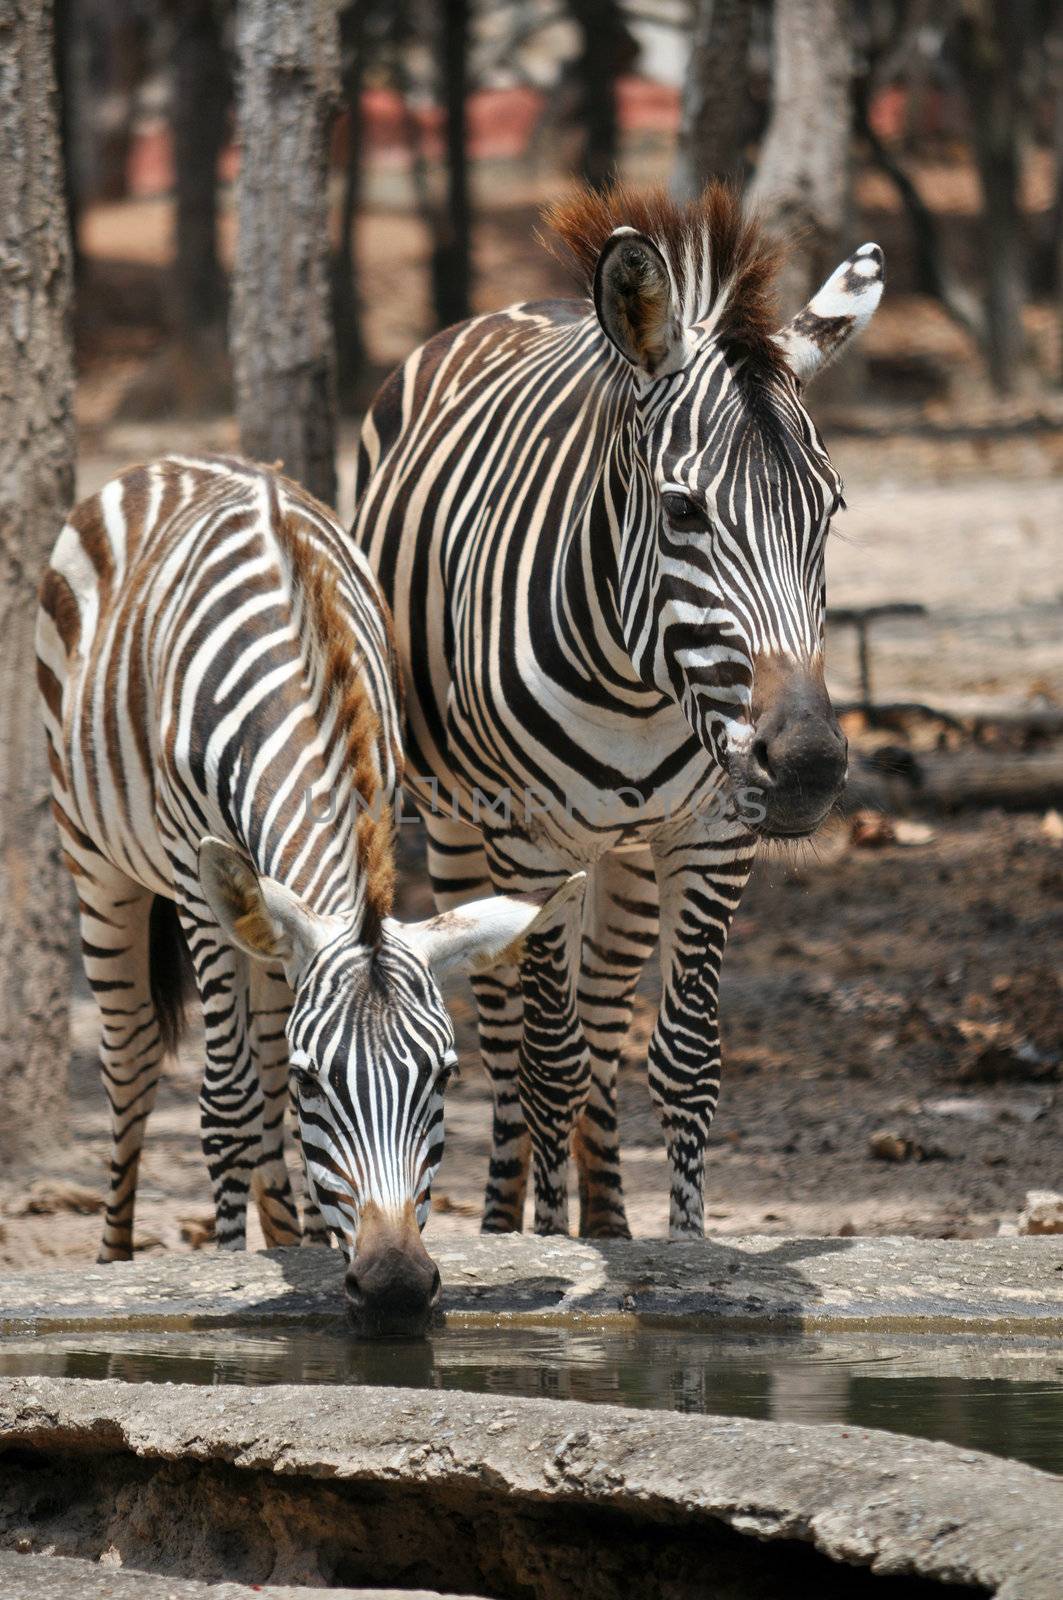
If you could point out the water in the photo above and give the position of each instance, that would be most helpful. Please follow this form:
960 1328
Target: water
1000 1395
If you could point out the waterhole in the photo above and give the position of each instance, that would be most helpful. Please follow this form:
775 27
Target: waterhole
1004 1396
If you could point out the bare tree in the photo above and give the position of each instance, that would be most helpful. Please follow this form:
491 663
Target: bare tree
715 114
1055 245
452 223
802 182
932 274
607 49
346 299
199 117
992 39
36 485
284 355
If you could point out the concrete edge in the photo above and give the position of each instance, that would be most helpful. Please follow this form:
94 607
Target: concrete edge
753 1284
40 1577
868 1499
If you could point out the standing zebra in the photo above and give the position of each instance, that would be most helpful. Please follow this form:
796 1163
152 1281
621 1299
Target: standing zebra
601 530
218 687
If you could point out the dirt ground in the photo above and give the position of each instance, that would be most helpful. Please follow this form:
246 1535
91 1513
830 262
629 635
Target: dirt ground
909 990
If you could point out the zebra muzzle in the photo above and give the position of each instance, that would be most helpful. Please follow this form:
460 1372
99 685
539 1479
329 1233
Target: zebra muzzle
392 1284
797 761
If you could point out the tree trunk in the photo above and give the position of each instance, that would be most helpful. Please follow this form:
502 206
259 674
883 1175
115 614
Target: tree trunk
452 249
931 273
62 27
198 118
1056 241
607 50
284 354
802 182
36 486
991 40
715 115
346 299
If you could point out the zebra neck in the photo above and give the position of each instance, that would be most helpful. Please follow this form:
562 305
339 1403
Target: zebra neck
585 624
311 845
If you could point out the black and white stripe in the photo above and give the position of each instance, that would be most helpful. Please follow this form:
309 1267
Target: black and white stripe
219 695
599 528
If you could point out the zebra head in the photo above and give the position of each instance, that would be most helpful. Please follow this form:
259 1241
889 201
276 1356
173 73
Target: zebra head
371 1049
728 496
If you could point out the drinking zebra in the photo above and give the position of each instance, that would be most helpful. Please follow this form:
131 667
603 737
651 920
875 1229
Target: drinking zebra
218 688
601 530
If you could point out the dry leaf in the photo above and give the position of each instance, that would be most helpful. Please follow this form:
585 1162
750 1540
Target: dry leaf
885 1145
870 830
197 1231
456 1208
48 1196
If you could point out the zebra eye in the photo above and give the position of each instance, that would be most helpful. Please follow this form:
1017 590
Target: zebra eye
448 1070
682 511
305 1081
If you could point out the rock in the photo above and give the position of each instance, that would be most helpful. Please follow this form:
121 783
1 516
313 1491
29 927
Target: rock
906 832
1000 1108
1042 1213
1052 827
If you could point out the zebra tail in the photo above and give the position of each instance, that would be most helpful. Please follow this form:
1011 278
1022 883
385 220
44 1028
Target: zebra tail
172 975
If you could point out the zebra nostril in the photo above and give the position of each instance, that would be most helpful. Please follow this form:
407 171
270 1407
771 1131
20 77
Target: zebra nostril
436 1287
760 761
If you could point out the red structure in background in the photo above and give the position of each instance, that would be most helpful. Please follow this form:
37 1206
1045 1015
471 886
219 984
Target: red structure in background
501 125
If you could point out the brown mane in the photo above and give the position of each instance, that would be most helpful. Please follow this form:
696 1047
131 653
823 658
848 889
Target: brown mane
357 723
723 266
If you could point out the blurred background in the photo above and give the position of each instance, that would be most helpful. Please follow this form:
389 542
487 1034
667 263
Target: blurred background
891 1008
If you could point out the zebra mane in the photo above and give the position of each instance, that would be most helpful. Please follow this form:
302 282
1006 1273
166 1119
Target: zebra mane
356 722
722 264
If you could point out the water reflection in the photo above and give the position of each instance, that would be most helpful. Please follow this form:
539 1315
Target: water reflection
1000 1395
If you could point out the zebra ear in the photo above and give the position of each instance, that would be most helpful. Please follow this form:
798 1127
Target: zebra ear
844 306
488 933
636 304
259 915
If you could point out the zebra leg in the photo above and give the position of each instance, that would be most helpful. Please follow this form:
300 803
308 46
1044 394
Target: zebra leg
315 1229
554 1067
619 929
457 866
701 881
553 1064
271 1186
230 1100
500 1014
115 918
